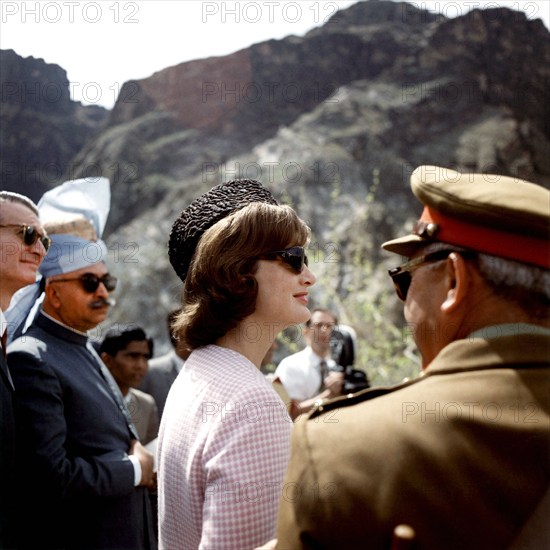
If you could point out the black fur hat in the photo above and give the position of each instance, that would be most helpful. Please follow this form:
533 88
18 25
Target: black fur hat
204 212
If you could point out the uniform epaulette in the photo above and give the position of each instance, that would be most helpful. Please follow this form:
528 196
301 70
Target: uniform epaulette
327 405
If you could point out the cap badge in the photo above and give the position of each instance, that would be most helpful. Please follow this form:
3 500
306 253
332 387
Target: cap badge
426 230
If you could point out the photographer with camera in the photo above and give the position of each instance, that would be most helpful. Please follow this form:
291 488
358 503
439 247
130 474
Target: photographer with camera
343 342
312 375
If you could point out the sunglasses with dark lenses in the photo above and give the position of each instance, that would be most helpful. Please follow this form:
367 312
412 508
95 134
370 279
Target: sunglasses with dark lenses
401 276
294 257
29 235
90 282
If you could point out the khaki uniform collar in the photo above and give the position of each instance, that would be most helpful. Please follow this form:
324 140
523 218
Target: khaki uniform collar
508 329
523 349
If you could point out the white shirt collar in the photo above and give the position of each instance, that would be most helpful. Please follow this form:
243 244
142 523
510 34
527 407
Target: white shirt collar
64 325
317 358
3 323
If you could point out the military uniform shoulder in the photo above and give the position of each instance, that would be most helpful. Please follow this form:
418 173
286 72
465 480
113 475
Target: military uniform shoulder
326 405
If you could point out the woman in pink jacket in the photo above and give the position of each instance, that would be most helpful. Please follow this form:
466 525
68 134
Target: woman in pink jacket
224 437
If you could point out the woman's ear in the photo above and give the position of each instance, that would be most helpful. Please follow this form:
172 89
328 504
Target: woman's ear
458 282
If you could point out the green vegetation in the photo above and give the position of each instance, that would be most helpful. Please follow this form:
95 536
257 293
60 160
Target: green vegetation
352 281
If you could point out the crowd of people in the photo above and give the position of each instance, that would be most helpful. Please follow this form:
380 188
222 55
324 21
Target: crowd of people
105 446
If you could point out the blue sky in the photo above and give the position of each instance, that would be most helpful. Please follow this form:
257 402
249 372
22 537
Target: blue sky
103 44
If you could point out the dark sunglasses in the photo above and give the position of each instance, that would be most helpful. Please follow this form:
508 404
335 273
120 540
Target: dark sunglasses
90 282
294 257
29 234
401 276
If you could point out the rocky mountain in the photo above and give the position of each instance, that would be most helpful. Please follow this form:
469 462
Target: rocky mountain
42 129
332 122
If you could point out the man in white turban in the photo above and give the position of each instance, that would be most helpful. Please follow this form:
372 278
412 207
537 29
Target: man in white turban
83 473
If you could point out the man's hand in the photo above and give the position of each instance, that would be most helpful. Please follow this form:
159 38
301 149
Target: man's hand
334 383
146 461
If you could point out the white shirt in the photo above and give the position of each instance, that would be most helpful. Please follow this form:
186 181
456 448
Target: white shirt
300 373
3 323
3 327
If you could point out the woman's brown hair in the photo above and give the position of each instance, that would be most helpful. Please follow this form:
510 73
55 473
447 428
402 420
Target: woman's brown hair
220 289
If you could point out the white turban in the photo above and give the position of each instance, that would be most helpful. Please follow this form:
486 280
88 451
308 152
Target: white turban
75 213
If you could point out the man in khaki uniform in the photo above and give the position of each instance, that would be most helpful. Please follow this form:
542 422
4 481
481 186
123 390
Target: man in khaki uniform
462 453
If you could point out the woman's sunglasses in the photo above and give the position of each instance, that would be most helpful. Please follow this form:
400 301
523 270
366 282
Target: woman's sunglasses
29 235
90 282
294 257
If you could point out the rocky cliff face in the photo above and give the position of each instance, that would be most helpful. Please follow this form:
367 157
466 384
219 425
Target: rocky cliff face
201 113
42 129
333 122
447 79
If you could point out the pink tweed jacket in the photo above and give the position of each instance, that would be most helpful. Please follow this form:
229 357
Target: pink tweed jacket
224 445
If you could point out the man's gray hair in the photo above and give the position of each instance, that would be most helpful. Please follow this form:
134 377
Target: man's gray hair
10 196
527 285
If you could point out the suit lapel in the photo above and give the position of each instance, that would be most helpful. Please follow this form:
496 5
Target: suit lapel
6 372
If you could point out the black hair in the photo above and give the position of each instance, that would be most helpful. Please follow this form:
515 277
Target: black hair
117 338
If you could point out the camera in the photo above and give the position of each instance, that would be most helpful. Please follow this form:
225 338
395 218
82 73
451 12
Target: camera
343 343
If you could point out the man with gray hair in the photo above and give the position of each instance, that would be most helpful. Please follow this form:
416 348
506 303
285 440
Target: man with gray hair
459 455
83 473
23 245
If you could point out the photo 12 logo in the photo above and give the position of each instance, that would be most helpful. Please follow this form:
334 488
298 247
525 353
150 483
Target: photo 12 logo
268 12
448 9
69 12
290 172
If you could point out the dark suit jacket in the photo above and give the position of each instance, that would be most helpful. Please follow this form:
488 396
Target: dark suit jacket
77 482
160 377
7 456
460 454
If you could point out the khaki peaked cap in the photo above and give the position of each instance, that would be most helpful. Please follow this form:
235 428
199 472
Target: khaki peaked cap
497 215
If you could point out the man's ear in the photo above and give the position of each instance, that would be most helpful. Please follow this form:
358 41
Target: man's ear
106 358
52 294
458 281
